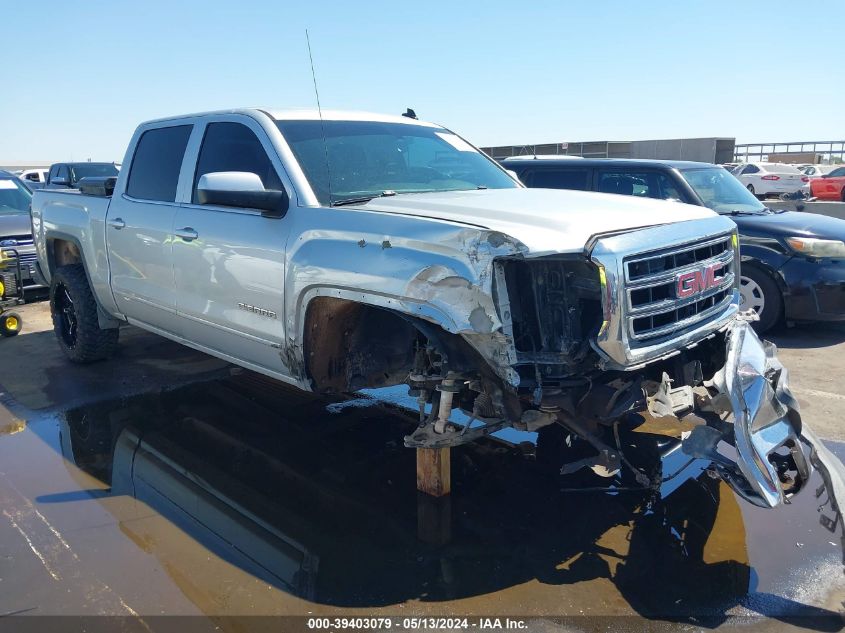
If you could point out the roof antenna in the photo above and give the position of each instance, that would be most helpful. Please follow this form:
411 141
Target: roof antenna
320 112
410 114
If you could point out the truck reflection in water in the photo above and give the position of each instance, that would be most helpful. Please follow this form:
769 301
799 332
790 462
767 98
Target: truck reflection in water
324 506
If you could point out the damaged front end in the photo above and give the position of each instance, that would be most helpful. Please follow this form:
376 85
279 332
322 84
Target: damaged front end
743 420
596 342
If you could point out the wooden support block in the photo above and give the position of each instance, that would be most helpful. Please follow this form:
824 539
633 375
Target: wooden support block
434 519
434 471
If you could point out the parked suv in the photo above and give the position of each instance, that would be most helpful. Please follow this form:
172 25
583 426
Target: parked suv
793 263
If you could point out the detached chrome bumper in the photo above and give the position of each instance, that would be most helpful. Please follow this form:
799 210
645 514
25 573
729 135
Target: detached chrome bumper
765 414
775 452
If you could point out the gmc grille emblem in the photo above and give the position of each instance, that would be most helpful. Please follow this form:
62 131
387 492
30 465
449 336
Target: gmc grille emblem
697 281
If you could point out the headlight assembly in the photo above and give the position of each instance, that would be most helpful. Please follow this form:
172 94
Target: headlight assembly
812 247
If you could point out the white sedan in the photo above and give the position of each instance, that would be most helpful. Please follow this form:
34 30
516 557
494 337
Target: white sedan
818 171
765 179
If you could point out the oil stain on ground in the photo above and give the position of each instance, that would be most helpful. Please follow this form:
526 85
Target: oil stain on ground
242 496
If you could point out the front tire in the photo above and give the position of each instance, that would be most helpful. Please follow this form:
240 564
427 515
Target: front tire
759 292
74 312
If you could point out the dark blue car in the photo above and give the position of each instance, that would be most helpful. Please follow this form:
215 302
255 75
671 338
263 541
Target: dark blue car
793 263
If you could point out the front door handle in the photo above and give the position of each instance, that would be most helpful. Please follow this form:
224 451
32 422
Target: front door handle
117 223
187 233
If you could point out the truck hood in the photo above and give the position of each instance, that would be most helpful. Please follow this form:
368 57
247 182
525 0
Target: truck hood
14 224
544 220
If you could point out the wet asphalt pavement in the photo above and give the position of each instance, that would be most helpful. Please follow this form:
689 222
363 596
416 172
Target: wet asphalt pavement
165 483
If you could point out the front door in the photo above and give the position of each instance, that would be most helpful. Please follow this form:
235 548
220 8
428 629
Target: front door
230 262
139 230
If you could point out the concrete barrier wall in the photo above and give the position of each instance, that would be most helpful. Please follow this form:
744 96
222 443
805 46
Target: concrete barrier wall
832 209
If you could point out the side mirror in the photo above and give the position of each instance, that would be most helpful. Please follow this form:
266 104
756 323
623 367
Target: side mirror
243 190
60 181
514 175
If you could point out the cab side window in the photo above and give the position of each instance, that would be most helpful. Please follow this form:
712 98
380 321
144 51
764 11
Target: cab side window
577 179
749 169
622 183
643 184
234 147
154 174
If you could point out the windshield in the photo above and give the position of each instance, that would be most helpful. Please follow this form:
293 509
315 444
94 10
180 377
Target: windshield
14 197
366 159
721 191
88 170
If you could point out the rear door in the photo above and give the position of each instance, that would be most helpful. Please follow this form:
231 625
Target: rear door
230 262
139 229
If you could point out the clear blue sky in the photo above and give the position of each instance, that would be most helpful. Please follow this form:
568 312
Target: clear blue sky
79 76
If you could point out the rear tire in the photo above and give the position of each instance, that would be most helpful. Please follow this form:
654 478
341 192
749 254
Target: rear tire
10 324
74 312
842 194
760 292
754 193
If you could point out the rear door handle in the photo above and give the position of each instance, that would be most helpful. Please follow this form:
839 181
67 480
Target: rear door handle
187 233
117 223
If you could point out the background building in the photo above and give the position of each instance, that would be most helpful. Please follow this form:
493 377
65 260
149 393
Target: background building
708 150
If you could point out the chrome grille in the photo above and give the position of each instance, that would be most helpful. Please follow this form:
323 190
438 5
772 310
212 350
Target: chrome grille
22 240
672 290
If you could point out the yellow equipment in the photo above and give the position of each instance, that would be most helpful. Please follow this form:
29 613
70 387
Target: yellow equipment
11 292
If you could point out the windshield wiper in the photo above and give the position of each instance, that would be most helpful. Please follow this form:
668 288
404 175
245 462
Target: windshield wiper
741 212
361 199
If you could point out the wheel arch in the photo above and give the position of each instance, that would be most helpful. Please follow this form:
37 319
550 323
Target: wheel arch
351 341
64 249
768 269
775 276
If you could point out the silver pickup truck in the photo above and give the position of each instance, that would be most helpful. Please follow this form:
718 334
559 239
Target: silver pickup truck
349 251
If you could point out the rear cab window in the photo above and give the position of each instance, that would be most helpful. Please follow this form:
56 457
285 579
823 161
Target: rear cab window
154 173
87 170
